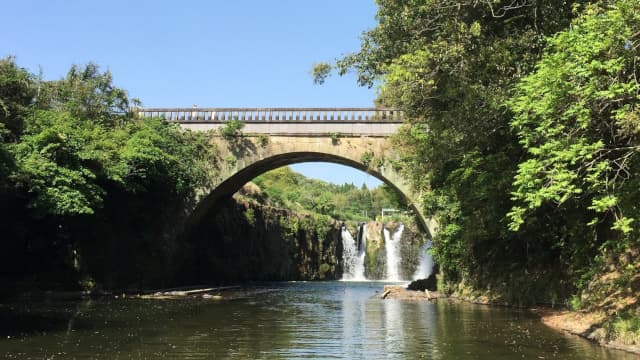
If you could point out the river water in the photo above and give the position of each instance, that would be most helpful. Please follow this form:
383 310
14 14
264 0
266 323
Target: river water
283 321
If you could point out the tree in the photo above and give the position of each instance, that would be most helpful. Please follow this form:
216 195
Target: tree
17 92
88 94
578 117
451 66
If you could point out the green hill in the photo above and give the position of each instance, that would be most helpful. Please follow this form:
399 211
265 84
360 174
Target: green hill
287 189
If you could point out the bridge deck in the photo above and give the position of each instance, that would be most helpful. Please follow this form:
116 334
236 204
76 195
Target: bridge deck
275 115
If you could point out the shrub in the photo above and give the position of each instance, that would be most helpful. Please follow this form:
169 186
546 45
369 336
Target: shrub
232 129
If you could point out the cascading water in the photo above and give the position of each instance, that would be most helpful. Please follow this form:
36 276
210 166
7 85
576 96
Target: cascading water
353 253
392 247
425 266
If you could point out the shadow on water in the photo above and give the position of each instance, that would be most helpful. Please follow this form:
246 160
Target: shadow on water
33 319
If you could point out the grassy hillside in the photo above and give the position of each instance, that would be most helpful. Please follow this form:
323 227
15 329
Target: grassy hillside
290 190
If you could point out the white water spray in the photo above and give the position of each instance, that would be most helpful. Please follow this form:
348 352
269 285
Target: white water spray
353 253
425 266
392 247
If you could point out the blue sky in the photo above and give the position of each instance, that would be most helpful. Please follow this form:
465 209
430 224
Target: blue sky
237 53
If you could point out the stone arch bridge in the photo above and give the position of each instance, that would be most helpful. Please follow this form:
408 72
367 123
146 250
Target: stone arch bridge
275 137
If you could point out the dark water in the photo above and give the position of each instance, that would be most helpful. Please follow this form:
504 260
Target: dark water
294 321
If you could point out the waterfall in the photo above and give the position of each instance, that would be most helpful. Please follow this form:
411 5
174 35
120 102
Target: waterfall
425 266
392 247
353 253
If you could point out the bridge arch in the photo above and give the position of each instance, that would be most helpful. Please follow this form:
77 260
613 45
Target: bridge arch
232 184
246 158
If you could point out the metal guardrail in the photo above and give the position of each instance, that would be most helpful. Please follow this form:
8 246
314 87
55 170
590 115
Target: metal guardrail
278 115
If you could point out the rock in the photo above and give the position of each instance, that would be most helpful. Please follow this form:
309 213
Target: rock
429 283
250 189
400 293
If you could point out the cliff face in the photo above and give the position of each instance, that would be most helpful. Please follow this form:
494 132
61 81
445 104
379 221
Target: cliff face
241 241
247 241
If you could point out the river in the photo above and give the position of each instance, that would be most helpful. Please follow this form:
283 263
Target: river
283 321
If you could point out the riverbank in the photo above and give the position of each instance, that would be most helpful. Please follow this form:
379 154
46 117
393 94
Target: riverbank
401 293
594 326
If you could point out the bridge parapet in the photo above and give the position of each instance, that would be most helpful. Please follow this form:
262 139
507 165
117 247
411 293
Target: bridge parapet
274 115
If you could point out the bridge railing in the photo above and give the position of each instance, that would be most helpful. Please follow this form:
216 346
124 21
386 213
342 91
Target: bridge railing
268 115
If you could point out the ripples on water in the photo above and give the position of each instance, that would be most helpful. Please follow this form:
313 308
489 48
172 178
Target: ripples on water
297 320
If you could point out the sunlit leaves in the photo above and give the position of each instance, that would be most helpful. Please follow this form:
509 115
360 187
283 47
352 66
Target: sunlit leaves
79 139
87 93
17 90
56 164
320 72
574 115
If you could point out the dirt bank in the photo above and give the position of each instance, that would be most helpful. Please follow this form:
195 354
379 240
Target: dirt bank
401 293
589 325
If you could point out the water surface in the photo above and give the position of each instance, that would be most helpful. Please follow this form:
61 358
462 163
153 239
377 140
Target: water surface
341 320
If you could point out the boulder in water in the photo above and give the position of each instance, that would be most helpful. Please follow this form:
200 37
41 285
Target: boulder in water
429 283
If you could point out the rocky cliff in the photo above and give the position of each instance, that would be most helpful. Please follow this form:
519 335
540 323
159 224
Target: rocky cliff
247 241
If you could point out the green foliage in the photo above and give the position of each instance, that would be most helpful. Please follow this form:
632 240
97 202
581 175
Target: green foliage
232 129
451 68
64 162
575 303
335 138
231 160
320 72
87 94
74 159
322 270
60 159
287 189
576 116
366 157
250 215
263 140
17 92
625 327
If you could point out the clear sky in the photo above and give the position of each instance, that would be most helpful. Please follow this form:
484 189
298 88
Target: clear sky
241 53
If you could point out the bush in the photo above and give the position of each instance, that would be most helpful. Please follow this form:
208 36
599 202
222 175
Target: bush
263 140
232 129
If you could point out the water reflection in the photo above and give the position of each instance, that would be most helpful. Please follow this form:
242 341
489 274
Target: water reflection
312 320
353 321
394 326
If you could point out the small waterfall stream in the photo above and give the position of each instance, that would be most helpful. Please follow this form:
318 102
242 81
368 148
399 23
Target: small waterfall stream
353 254
392 247
425 266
